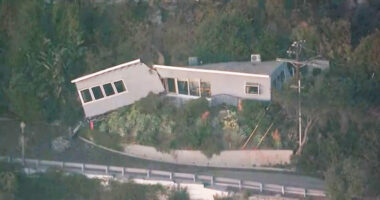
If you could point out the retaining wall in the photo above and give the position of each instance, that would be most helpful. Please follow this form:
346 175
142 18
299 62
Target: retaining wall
229 159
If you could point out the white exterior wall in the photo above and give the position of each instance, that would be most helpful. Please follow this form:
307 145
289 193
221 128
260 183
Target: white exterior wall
138 79
224 82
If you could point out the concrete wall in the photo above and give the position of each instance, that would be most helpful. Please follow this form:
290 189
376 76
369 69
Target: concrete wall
227 159
138 79
229 84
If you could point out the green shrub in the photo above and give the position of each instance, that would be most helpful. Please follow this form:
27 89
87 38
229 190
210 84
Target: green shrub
179 194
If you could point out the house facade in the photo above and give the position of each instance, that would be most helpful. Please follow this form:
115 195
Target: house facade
115 87
122 85
224 82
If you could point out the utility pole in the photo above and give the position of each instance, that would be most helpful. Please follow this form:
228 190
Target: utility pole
296 49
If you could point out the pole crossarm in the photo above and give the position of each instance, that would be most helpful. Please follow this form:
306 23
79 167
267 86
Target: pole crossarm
310 62
294 62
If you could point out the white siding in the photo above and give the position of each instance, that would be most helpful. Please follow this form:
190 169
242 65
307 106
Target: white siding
138 79
224 83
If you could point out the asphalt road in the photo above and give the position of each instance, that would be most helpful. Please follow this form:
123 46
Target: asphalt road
81 152
38 146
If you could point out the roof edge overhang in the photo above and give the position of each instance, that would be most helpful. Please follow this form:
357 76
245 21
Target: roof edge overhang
106 70
210 71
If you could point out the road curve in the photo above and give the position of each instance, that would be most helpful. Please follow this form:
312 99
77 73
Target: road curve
82 152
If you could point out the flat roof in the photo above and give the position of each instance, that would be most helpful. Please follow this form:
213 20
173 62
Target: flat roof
265 67
106 70
245 67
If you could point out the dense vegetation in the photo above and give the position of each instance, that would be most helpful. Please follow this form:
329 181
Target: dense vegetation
57 185
165 124
45 45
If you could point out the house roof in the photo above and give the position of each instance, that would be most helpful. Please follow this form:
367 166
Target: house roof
265 67
106 70
238 68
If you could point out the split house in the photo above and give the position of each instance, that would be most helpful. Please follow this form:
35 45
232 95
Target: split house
122 85
115 87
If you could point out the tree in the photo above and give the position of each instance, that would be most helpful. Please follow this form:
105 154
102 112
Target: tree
47 57
345 179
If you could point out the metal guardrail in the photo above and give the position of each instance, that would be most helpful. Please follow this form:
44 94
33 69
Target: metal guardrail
85 168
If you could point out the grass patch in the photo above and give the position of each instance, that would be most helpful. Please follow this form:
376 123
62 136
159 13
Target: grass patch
112 141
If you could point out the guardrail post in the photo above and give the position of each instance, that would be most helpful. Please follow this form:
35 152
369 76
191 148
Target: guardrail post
194 177
212 180
106 169
37 164
283 190
82 167
62 165
171 175
240 184
148 173
123 171
261 187
304 192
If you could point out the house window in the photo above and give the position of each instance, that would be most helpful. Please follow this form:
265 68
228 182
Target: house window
183 87
119 85
194 88
86 96
98 94
252 88
108 89
205 89
170 85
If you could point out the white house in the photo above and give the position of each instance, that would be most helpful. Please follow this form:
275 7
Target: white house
115 87
225 82
121 85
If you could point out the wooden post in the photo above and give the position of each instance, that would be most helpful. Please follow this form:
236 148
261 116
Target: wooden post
262 138
250 136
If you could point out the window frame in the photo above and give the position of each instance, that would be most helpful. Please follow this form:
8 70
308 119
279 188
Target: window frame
200 88
81 96
125 87
174 85
187 86
113 89
101 92
249 84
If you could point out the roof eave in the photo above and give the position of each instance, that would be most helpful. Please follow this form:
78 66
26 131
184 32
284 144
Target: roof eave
211 71
106 70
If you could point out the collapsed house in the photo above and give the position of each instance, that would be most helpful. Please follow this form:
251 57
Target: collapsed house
115 87
227 82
